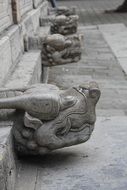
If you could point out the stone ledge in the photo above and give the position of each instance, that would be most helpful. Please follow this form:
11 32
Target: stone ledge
27 71
11 49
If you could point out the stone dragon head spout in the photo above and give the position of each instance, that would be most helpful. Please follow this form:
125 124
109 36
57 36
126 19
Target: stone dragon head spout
64 25
56 49
48 118
59 49
63 10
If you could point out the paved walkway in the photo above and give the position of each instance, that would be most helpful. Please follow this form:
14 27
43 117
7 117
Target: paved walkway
99 164
91 12
99 63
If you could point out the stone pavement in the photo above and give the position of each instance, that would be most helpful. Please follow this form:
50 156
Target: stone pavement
91 12
100 163
98 63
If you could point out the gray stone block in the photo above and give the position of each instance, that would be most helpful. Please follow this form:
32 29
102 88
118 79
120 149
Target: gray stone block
25 6
44 9
5 14
36 3
123 64
5 57
27 71
7 160
30 24
15 38
116 40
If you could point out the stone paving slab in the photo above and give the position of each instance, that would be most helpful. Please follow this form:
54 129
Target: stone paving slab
123 63
116 37
117 42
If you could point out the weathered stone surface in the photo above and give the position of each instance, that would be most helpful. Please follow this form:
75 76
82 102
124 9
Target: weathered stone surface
27 71
116 40
27 24
48 118
5 57
44 9
65 24
31 73
30 24
25 6
61 24
7 158
123 64
20 8
89 166
5 14
56 49
36 3
63 10
15 38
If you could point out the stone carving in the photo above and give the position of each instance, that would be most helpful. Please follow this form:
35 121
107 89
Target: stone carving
62 10
56 49
61 24
65 25
48 118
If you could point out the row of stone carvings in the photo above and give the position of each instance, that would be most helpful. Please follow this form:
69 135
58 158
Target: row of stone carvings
47 118
63 45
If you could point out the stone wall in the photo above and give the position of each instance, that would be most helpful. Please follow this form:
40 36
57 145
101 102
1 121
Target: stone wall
36 3
25 6
12 40
5 14
18 68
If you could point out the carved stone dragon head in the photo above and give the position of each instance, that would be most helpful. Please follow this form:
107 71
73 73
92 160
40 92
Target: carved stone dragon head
47 118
